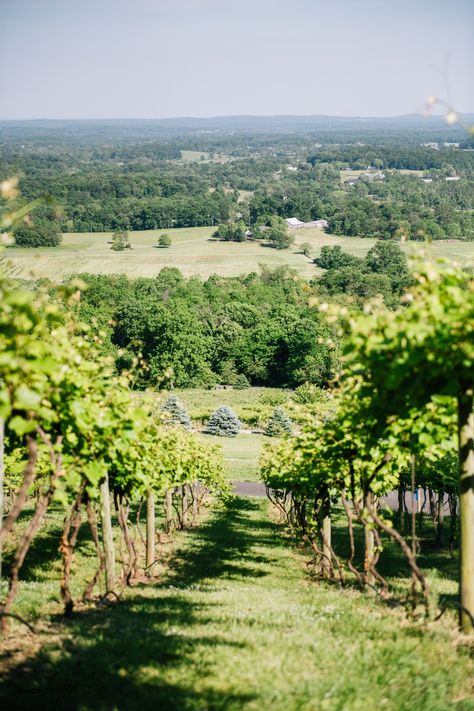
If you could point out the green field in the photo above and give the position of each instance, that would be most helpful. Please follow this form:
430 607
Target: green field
241 454
192 252
347 175
197 399
232 621
203 156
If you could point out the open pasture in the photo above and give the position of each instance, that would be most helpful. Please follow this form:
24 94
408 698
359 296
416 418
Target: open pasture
347 175
203 156
192 251
241 454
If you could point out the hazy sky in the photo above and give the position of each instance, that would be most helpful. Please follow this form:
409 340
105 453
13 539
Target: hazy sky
158 58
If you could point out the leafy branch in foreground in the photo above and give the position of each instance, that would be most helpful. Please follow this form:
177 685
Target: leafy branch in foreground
405 370
75 435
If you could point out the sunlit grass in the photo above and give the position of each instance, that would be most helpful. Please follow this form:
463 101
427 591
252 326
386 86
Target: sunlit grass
241 454
192 252
236 623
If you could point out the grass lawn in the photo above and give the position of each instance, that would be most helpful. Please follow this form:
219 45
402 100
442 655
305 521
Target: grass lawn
235 623
241 454
203 398
202 156
192 252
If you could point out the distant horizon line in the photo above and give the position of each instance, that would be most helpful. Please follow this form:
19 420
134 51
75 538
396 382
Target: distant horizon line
233 116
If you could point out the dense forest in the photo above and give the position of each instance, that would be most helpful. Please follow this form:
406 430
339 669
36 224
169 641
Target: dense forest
258 329
112 176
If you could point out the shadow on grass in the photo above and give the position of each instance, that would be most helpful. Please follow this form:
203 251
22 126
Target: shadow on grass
44 550
148 652
223 547
393 564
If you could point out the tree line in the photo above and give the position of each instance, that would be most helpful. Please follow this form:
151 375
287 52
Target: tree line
260 328
110 186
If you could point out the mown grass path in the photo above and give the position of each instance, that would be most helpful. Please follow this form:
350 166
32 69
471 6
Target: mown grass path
236 624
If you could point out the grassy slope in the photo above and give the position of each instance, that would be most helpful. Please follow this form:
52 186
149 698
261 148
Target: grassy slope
202 398
236 624
241 454
191 251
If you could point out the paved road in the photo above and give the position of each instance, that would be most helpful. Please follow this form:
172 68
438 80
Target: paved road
248 488
252 488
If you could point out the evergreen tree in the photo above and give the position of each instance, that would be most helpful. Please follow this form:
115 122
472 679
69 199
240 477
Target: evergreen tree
278 424
224 422
241 382
176 413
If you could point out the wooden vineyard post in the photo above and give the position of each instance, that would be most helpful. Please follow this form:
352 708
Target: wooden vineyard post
150 529
291 515
400 508
195 490
107 536
326 536
369 545
466 509
168 510
184 505
440 517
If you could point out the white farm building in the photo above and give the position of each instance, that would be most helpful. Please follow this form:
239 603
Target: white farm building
294 223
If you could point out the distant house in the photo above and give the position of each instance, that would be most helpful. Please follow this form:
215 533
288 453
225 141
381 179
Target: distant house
450 178
366 176
431 144
293 168
322 224
375 176
451 145
427 180
297 224
294 222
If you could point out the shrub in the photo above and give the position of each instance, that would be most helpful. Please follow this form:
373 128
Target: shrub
120 241
241 382
37 235
164 241
231 232
175 412
278 234
335 258
278 424
224 422
228 374
306 249
275 397
308 394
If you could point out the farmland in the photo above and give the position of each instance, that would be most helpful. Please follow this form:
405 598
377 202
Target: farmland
192 251
347 175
